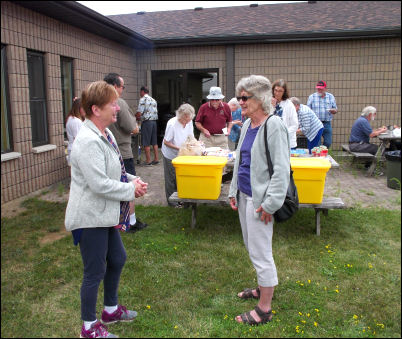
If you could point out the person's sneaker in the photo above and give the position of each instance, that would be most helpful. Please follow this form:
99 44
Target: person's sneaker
121 314
137 226
148 164
97 330
155 162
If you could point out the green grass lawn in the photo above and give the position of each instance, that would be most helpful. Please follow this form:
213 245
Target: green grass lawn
183 282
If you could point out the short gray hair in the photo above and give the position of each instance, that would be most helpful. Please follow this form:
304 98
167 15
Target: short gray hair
260 87
368 110
185 109
295 101
234 102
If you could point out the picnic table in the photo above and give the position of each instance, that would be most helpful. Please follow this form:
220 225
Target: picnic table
324 206
385 138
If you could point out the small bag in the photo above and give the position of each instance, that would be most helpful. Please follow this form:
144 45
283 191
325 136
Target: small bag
291 204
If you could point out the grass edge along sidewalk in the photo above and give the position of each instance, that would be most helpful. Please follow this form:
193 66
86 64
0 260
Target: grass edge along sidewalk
183 282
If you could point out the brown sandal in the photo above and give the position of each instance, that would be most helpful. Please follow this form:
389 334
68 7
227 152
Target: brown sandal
265 317
248 293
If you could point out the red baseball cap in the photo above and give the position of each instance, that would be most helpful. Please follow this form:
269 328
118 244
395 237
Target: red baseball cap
321 84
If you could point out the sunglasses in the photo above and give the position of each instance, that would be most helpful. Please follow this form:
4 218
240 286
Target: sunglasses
244 98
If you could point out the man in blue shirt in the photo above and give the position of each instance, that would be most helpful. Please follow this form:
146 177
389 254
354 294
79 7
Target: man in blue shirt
361 132
324 106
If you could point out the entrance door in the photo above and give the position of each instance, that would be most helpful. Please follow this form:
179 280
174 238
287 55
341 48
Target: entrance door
172 88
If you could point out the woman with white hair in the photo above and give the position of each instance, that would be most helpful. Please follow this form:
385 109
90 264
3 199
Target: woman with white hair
176 132
255 194
359 140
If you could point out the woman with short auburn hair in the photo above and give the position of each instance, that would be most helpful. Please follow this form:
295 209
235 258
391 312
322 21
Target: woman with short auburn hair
99 207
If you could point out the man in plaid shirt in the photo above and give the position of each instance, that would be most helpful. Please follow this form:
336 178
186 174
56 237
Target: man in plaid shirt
324 106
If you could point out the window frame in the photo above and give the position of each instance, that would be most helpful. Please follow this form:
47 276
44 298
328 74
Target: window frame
41 133
6 101
64 59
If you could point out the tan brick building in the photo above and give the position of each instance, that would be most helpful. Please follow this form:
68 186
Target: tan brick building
52 49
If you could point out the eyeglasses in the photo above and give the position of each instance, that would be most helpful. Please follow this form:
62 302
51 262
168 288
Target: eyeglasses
244 98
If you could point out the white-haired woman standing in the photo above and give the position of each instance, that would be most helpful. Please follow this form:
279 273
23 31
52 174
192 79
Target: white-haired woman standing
177 130
253 193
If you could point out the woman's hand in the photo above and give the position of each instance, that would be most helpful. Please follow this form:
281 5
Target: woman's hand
140 187
233 203
266 217
274 102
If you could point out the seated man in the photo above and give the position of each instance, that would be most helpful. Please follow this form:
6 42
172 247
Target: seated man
361 132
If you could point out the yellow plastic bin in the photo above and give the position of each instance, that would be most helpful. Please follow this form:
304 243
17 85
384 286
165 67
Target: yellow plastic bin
309 176
199 177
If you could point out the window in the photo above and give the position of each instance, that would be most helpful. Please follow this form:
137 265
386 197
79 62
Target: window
6 135
67 82
37 98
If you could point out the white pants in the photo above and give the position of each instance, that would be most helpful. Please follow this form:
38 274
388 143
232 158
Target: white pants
257 237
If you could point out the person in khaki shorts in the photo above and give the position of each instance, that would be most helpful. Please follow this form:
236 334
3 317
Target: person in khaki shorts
212 117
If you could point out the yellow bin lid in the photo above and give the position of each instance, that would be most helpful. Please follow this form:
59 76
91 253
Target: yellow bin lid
200 160
316 163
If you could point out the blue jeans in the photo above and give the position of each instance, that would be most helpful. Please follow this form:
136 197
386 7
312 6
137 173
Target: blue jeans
103 255
315 142
327 133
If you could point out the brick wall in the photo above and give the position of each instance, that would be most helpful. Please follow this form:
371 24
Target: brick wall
358 73
22 29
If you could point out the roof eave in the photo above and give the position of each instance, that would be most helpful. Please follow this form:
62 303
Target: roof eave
268 38
75 14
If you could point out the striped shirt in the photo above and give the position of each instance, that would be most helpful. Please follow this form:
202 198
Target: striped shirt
308 122
148 108
320 105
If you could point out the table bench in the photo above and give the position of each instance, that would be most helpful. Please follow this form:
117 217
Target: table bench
358 155
326 204
362 156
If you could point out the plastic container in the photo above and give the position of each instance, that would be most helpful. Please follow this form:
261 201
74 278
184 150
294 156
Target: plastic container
309 175
393 169
199 177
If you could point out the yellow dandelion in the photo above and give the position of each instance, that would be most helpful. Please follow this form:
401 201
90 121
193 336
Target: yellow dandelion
337 291
148 307
370 265
325 288
300 313
176 327
301 284
303 321
355 316
317 310
308 315
273 312
328 246
182 228
315 324
226 316
309 281
381 325
175 248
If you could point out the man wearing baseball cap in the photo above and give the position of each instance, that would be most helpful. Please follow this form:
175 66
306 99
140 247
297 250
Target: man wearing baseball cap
324 106
213 118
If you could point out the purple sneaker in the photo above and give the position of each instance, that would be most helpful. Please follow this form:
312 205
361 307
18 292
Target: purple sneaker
121 314
97 330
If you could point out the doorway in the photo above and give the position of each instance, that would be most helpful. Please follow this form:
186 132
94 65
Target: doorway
172 88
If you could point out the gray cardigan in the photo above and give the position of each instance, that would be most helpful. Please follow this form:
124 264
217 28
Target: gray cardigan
95 190
267 192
